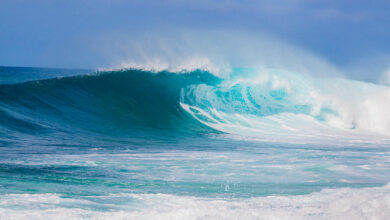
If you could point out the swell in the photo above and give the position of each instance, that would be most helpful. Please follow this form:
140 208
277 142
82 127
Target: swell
271 106
114 102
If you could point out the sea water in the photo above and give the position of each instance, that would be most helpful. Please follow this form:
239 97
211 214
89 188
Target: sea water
136 144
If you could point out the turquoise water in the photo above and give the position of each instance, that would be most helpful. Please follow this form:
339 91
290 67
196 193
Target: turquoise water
138 144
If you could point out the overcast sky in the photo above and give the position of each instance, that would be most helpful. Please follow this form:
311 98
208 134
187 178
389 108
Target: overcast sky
57 33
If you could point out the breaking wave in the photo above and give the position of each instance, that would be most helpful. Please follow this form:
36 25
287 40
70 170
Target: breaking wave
263 104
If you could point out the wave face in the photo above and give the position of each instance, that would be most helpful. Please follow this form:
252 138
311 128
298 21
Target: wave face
118 101
268 105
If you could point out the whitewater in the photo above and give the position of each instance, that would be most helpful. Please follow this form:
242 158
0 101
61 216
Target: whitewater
192 143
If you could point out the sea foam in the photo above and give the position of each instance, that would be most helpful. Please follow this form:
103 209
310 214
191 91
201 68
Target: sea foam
342 203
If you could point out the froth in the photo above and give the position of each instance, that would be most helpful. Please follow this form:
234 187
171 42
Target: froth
291 107
345 203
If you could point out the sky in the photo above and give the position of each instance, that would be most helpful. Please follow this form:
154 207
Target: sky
351 34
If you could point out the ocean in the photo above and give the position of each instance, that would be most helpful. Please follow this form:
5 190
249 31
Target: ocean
144 144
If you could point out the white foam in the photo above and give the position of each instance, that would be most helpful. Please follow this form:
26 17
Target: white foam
355 111
344 203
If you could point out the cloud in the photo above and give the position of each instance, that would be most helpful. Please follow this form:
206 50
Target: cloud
263 6
373 67
337 14
385 79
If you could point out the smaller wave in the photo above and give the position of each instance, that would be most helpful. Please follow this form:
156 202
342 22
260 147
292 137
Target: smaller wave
13 75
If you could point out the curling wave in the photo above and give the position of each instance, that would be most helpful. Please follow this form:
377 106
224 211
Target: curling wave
270 105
